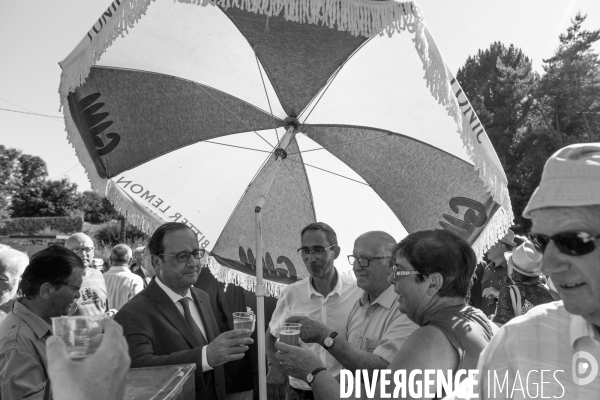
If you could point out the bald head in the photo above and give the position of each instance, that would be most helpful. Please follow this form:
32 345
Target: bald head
377 241
82 245
120 255
12 265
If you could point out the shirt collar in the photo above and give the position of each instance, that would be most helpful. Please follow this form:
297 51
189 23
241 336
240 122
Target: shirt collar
385 299
580 328
172 295
337 289
120 268
35 322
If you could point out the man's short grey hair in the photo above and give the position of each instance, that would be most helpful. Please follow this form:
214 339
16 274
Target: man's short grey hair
121 253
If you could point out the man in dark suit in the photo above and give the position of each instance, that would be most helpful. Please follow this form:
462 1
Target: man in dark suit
170 322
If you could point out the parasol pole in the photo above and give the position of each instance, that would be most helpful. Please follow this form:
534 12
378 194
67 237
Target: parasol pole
280 155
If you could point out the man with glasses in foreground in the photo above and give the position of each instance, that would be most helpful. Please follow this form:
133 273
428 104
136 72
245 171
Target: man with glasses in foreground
561 338
48 286
326 296
376 328
171 322
93 300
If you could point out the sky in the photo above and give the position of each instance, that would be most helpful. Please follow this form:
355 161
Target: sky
36 34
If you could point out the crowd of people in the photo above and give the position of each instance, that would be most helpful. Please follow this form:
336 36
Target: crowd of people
423 303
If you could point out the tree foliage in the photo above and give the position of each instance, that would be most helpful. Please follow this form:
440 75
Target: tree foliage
46 198
528 117
96 209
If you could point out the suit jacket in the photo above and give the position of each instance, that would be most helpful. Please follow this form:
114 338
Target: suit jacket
224 304
157 334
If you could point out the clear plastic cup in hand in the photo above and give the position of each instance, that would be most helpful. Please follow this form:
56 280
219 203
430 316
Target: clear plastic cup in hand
244 320
82 334
289 333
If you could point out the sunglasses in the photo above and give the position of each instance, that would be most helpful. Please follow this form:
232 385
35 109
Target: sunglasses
570 243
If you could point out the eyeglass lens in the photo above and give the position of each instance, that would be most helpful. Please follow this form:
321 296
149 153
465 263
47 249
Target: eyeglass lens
572 243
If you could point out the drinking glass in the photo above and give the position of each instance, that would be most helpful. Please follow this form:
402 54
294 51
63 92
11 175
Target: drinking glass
244 320
289 332
82 334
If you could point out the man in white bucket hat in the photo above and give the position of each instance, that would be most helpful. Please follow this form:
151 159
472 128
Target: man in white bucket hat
555 348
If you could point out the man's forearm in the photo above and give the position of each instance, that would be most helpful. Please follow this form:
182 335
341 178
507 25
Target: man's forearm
270 347
352 358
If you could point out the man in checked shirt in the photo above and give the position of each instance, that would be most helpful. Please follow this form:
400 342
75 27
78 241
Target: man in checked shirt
375 329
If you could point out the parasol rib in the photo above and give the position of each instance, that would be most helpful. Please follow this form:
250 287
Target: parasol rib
333 173
239 147
321 92
267 96
300 186
339 145
232 113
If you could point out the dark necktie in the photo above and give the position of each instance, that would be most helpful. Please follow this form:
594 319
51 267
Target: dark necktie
188 317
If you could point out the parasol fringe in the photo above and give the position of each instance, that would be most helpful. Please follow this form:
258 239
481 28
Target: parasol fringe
440 87
496 228
227 275
125 208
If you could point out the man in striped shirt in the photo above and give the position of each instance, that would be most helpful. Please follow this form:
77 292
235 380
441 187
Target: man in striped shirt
121 283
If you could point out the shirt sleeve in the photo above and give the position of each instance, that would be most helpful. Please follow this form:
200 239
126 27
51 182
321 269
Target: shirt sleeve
205 365
394 336
279 315
504 309
138 286
22 375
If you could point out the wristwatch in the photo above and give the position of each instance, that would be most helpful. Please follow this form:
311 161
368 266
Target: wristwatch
311 375
328 342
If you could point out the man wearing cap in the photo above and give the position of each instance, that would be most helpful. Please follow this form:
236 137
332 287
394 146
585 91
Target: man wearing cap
529 290
489 279
554 349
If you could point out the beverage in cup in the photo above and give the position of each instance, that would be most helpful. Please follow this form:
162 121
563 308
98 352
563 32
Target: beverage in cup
243 320
289 333
82 334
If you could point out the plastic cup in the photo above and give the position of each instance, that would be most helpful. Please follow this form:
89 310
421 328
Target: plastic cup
82 334
289 333
244 320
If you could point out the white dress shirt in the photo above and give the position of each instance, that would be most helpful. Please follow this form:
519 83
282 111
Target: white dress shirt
332 310
121 285
195 315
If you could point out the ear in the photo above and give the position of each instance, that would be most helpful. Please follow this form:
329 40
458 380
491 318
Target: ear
436 280
155 260
45 291
336 252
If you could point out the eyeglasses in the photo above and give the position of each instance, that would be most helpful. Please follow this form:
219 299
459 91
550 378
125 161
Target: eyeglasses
364 261
82 250
316 251
570 243
396 272
75 288
184 257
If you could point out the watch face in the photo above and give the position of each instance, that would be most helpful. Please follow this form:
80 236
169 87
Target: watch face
328 341
310 378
